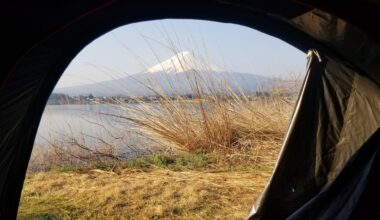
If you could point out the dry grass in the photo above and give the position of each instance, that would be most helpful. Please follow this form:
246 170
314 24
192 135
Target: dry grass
240 132
134 194
245 128
217 119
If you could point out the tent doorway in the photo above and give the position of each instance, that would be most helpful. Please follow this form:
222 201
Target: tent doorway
208 103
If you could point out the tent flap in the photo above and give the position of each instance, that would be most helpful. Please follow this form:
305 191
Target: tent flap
349 196
326 130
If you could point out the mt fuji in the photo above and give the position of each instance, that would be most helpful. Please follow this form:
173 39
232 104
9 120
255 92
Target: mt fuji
182 62
174 75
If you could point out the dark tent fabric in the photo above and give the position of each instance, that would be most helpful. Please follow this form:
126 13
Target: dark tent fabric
359 48
349 196
337 111
333 104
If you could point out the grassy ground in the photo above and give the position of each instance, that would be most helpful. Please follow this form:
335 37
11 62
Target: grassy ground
245 136
192 187
228 153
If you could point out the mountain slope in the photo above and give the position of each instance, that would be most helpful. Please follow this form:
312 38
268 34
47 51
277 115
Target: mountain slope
175 75
143 84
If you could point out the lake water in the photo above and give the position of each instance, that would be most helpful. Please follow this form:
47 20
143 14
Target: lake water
89 125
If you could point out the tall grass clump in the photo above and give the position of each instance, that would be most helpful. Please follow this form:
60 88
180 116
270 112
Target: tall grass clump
212 116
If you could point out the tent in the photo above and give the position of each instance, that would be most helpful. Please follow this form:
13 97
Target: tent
329 163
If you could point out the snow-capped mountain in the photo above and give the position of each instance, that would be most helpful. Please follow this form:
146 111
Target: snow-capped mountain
174 75
182 62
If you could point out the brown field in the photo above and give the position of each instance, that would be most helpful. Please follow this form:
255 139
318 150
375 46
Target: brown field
138 194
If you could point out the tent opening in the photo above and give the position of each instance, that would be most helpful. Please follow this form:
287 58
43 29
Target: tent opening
164 118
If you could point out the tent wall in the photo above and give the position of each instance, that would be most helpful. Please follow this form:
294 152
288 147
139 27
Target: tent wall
359 49
354 193
39 39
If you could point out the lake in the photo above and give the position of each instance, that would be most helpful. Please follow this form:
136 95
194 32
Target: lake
89 125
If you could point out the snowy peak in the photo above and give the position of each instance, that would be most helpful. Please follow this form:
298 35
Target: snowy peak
181 62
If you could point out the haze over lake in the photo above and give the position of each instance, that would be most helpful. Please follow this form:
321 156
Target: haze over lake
89 125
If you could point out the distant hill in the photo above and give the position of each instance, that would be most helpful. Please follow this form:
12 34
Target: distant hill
144 84
172 76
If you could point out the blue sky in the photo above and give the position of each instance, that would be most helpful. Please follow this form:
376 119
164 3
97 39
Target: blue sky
133 48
